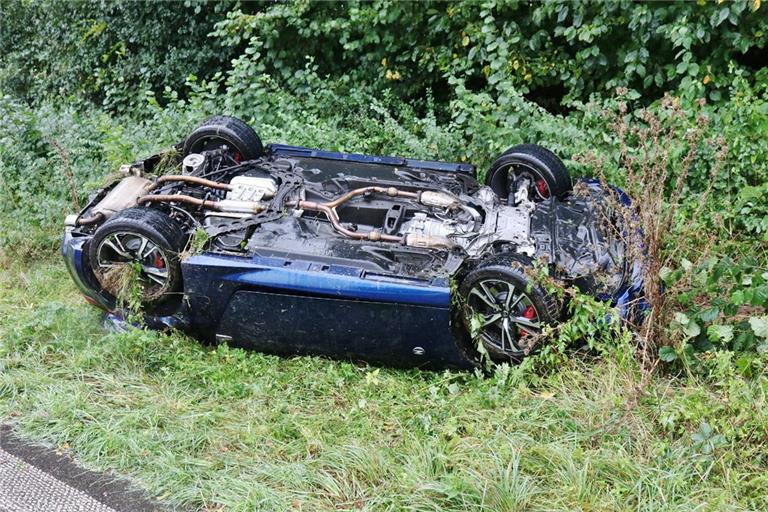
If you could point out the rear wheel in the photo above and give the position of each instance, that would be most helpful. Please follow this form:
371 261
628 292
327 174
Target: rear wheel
504 309
544 173
135 255
224 132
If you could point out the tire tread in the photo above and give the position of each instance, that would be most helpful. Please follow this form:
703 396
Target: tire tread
233 130
559 180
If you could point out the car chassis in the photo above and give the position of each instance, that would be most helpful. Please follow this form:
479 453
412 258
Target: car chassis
390 260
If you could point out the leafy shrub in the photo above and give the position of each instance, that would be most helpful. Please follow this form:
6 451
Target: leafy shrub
106 52
539 48
550 51
751 210
722 307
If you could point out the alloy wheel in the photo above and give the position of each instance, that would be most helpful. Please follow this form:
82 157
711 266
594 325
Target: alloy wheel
126 248
506 316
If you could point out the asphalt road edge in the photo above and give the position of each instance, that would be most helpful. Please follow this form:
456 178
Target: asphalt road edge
114 492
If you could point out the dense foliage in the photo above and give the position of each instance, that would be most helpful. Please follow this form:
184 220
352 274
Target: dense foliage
104 51
668 98
551 50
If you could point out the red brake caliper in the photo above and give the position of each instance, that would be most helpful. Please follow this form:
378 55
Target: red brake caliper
238 157
159 263
542 187
530 314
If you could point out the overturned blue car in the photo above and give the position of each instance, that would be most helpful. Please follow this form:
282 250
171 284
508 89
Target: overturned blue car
396 261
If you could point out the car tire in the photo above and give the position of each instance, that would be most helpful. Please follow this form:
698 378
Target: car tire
508 325
550 177
146 237
220 131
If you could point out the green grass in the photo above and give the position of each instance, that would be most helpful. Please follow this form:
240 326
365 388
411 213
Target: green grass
207 427
213 428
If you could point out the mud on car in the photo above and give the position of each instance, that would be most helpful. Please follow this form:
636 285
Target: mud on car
398 261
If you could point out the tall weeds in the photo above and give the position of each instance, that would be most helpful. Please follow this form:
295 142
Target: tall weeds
63 154
657 148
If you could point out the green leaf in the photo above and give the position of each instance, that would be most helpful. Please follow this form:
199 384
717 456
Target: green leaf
759 326
722 333
667 354
692 329
744 365
723 15
709 314
682 318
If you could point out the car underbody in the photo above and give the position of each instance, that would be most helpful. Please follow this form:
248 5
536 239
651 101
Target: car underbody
386 218
388 232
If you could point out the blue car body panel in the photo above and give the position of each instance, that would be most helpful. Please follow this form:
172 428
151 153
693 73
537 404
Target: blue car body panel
262 304
74 258
305 308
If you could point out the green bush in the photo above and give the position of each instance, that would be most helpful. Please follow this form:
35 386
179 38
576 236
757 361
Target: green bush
106 52
561 47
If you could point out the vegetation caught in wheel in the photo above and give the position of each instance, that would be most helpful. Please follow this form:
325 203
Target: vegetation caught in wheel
137 251
504 310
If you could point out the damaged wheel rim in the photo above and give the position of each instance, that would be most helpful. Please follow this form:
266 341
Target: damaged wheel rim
505 316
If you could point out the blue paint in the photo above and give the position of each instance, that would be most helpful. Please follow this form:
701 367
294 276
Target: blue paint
72 250
336 281
339 311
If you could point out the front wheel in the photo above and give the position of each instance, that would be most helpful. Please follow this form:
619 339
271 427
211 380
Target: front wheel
135 257
504 309
225 132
